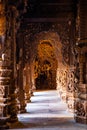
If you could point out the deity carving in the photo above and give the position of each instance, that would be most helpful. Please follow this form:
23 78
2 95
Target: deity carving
81 109
72 80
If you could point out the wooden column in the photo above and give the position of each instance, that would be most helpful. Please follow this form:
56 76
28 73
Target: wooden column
21 91
81 62
13 102
32 82
5 70
27 83
81 101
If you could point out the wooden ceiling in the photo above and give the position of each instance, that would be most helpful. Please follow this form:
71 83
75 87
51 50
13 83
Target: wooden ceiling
83 19
50 8
57 11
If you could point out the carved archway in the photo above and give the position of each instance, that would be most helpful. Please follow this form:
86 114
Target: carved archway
50 37
45 66
53 39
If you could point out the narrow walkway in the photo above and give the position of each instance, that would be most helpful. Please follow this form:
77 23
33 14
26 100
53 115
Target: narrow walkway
47 112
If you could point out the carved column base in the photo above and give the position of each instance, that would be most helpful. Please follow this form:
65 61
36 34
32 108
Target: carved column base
13 109
82 120
70 102
32 93
81 105
27 93
5 73
3 123
22 107
27 97
21 101
22 111
81 112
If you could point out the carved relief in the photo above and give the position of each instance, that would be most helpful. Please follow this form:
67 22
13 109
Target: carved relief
27 83
72 88
72 80
4 87
62 29
81 100
2 90
62 83
81 108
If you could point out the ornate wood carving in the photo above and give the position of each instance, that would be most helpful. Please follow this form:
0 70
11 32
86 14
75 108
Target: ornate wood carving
5 73
8 28
81 100
62 83
73 80
27 83
72 87
81 104
62 29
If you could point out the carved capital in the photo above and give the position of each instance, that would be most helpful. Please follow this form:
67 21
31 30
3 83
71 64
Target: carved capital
2 19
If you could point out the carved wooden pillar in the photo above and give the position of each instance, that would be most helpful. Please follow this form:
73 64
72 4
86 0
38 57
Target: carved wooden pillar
81 62
32 81
21 91
12 94
27 83
81 100
62 83
71 87
5 70
8 29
